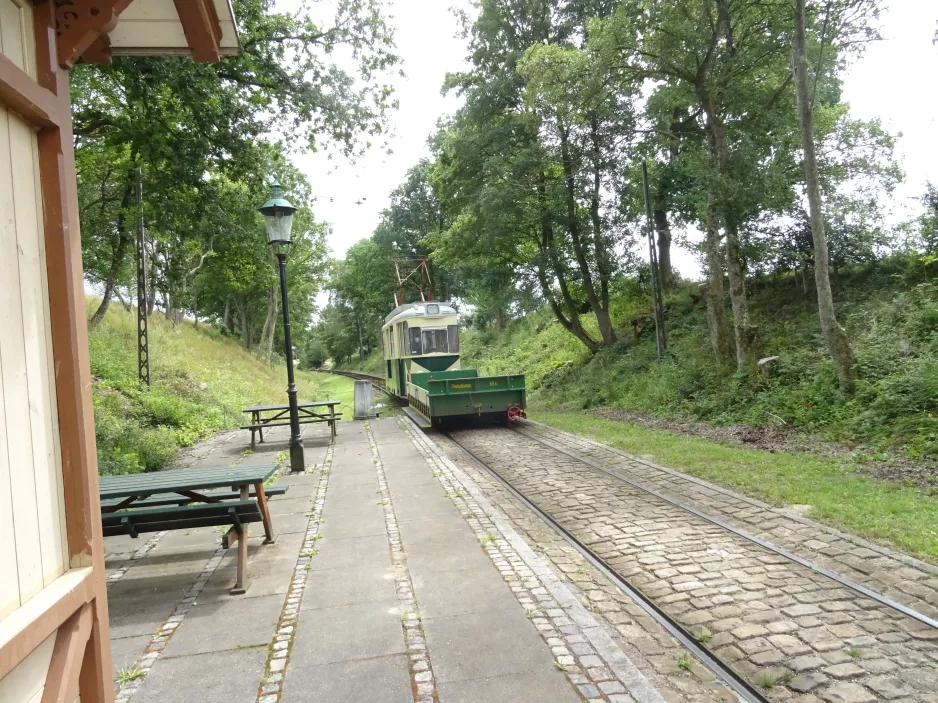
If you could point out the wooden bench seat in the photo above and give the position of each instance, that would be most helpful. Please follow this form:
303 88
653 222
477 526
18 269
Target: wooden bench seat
304 420
176 499
178 517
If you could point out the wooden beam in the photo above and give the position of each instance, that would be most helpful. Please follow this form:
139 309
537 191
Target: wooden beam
26 628
68 320
99 51
24 96
79 23
67 656
200 24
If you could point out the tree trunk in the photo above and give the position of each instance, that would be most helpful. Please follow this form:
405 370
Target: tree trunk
714 291
270 340
573 227
571 324
117 294
600 247
549 255
264 346
663 228
226 317
744 331
117 260
242 307
834 335
500 319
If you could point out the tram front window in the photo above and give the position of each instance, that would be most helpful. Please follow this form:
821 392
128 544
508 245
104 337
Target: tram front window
435 340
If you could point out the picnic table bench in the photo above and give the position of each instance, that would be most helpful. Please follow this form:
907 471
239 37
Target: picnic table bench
264 416
133 504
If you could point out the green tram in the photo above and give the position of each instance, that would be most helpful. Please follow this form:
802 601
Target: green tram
422 365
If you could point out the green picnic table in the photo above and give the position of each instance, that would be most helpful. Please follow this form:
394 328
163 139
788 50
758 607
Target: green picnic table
120 493
264 416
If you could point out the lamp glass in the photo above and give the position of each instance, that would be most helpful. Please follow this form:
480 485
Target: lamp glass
279 224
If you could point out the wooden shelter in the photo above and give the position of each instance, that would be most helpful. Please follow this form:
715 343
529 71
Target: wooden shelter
54 643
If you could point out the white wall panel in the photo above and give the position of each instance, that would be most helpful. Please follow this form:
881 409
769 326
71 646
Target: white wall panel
31 484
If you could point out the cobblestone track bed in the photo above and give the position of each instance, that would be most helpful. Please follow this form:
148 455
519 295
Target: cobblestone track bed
653 650
907 580
796 634
569 622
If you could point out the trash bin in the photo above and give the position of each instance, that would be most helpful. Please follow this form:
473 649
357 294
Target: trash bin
364 400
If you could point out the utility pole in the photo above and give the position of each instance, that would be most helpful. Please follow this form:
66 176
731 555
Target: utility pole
143 340
661 337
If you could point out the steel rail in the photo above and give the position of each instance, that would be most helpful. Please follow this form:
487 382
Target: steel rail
817 568
722 670
376 381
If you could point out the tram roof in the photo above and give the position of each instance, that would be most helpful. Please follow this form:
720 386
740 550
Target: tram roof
419 310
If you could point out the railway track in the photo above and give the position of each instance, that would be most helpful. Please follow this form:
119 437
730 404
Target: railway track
376 381
771 624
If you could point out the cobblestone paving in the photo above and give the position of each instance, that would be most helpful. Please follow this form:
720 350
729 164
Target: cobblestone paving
796 634
898 576
278 652
134 557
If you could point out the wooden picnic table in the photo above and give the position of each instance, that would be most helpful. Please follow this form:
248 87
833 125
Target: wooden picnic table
279 415
193 484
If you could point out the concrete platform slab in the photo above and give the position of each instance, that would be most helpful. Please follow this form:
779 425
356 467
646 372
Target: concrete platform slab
300 505
232 677
286 524
461 592
223 625
352 552
346 633
550 686
370 525
383 679
394 593
266 577
126 650
332 588
509 642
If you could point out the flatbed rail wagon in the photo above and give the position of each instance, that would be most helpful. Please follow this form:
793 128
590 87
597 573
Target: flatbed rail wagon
422 366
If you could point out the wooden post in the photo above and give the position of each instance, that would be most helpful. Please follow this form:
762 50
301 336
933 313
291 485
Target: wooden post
265 512
242 552
70 351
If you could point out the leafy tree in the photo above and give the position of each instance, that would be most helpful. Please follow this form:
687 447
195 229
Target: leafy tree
928 231
199 132
730 62
849 21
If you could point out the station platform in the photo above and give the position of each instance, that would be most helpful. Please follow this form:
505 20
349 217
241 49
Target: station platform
392 579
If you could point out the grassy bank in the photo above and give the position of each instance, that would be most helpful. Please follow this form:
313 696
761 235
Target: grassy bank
890 312
883 511
373 363
201 381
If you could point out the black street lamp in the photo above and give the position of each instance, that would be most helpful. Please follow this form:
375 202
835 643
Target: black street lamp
278 219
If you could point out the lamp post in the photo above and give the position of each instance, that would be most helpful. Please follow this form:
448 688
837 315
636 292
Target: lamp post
278 219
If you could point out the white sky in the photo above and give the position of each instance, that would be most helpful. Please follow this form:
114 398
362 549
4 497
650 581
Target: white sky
895 80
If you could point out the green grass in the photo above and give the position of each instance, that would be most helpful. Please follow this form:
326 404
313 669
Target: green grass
200 383
901 516
127 674
373 363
